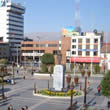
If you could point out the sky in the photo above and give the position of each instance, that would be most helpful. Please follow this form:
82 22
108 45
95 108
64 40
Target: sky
53 15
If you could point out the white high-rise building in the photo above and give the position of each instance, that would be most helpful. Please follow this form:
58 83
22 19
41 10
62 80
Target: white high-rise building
12 25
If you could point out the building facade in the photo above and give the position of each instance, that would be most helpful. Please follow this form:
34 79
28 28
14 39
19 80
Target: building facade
12 25
4 50
32 50
105 57
81 50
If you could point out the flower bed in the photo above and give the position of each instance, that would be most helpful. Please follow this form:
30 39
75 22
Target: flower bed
57 93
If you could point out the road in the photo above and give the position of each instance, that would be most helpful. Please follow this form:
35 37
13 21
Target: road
21 94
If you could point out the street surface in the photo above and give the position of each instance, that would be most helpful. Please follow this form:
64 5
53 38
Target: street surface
21 94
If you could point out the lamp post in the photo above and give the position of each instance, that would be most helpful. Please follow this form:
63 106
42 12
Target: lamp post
13 81
71 101
39 51
85 92
3 70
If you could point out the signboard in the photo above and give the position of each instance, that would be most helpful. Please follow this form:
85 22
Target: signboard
69 31
85 59
94 50
58 79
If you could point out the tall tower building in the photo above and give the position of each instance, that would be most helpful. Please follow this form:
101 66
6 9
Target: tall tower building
12 26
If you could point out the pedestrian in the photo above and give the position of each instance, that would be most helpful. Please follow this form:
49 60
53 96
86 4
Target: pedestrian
10 107
26 108
22 108
98 89
88 85
17 71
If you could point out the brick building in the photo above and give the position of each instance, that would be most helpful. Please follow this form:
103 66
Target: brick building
34 49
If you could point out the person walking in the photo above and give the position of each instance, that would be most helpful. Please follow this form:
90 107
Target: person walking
10 107
26 108
98 89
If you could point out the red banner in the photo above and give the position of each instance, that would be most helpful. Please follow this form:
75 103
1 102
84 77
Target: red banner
85 59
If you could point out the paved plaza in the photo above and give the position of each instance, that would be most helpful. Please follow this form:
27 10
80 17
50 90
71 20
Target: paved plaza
21 94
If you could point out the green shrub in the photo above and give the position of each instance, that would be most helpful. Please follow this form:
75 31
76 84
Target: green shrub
44 68
57 93
52 68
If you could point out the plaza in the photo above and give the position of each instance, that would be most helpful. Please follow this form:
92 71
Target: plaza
21 94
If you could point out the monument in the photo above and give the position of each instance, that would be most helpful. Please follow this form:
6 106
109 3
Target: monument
58 78
59 75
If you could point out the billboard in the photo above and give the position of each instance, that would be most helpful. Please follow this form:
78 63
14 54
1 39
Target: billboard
69 31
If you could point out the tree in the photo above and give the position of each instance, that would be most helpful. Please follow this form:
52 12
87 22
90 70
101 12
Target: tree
3 61
97 68
44 68
72 66
47 58
105 85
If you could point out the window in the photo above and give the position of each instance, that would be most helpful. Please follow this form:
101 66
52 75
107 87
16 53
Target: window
87 46
95 40
42 45
73 40
55 52
88 53
95 53
73 46
80 53
73 52
87 40
79 40
52 45
95 47
80 47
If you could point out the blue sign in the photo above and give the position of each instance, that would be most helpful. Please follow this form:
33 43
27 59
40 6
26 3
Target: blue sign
94 50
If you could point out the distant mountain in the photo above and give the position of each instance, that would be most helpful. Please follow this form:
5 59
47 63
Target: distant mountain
44 36
54 36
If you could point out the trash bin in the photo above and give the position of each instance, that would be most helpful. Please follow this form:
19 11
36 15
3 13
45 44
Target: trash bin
108 104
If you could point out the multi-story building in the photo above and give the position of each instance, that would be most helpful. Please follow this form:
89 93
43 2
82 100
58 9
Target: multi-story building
12 25
81 49
105 57
85 49
4 50
34 49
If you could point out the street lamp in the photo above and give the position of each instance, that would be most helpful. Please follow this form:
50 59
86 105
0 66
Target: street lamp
85 91
13 80
39 51
71 101
3 70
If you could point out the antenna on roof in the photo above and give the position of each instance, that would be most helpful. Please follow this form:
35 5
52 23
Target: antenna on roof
77 13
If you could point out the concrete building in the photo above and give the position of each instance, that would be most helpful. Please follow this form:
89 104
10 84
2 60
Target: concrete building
85 50
12 25
34 49
4 50
80 49
105 57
